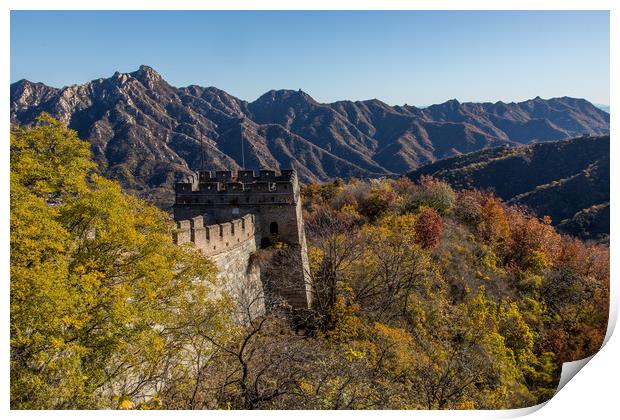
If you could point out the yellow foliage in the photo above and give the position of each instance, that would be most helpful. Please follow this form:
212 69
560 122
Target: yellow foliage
347 326
351 354
95 276
349 209
466 405
315 258
538 262
125 404
306 387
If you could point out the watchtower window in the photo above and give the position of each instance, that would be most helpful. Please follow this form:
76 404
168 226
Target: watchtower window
273 228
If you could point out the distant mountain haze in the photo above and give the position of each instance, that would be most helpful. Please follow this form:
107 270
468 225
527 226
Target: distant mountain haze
146 133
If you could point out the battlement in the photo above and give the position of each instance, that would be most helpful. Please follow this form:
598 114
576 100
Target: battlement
236 181
229 214
216 238
228 189
246 176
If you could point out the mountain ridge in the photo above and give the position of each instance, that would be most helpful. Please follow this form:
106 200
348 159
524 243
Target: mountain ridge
567 180
146 133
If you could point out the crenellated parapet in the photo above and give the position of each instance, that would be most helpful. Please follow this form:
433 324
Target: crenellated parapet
219 187
246 175
228 215
215 238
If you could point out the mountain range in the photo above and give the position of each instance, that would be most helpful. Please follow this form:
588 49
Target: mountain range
604 107
146 133
566 180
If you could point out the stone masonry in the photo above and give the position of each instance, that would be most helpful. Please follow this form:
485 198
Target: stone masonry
230 215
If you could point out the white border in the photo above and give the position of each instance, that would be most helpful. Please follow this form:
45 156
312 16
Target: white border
310 5
592 394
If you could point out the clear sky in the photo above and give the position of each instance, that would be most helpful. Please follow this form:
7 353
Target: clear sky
413 57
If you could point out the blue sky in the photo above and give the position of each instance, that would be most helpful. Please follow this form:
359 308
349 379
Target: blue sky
413 57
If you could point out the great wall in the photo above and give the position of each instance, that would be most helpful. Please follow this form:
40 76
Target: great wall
230 216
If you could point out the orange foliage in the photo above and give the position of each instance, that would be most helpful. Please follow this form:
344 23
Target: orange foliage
493 226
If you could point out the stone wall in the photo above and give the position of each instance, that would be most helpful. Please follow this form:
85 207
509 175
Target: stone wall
241 278
217 238
231 246
220 211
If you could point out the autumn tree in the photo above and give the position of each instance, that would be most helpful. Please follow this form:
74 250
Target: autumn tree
391 272
428 227
98 289
428 192
334 245
377 202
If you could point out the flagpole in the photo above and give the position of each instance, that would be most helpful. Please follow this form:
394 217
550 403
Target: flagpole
242 150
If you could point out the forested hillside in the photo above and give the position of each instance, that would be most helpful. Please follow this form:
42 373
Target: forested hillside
423 298
566 180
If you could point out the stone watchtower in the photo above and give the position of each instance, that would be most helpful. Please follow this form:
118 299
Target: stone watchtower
222 212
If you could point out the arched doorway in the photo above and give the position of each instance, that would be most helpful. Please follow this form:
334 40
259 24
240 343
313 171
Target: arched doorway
273 228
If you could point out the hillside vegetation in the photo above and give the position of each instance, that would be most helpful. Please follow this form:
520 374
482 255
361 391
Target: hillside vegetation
567 181
424 298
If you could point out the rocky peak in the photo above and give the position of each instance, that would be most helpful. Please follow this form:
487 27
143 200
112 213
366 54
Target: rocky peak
447 110
26 93
147 76
286 96
120 78
282 106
